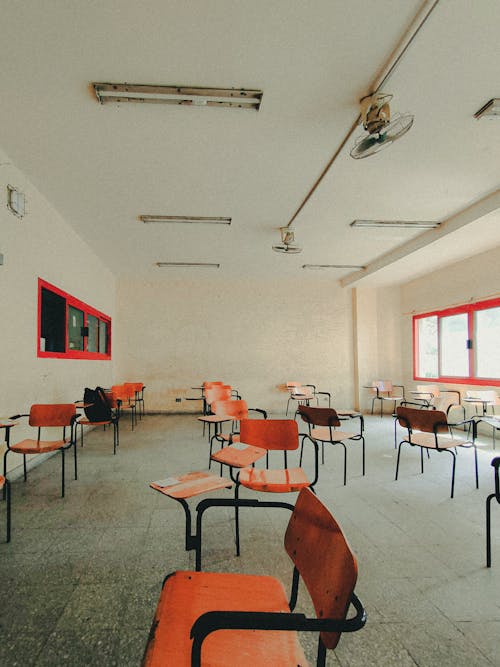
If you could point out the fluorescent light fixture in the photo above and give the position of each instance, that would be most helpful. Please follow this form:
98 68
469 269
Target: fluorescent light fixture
238 98
185 219
396 224
203 265
332 266
490 109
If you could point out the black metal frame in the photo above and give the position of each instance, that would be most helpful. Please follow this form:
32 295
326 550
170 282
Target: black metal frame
436 427
496 465
115 423
254 620
6 495
331 427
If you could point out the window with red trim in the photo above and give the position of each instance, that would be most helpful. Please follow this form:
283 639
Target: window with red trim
69 328
460 344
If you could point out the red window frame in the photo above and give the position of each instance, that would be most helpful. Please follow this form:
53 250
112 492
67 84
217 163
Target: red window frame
468 309
87 310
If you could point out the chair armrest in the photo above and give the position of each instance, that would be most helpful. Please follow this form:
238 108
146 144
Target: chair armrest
261 620
496 463
206 503
400 386
18 416
262 412
324 393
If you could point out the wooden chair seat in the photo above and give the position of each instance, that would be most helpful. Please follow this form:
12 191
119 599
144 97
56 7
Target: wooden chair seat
428 440
87 422
287 480
324 434
29 446
237 457
187 595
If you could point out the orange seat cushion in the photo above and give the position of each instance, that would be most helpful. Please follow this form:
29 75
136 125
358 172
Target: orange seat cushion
86 422
274 481
187 595
2 481
38 446
323 434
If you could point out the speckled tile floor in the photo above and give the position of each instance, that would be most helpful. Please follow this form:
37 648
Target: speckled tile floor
80 580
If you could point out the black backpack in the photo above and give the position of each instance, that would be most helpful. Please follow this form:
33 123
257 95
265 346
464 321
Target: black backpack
99 409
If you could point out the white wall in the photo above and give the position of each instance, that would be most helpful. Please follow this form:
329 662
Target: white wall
42 245
174 333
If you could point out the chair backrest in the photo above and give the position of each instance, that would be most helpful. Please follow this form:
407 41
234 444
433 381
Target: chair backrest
275 434
111 398
319 416
52 414
136 386
218 392
319 551
123 392
422 420
297 388
209 384
236 409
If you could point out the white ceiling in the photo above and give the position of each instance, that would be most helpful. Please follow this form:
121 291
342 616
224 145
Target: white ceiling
103 166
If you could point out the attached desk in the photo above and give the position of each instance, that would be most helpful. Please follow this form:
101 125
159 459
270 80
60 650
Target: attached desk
484 403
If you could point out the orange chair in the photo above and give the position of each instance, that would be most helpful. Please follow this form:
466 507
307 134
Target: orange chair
263 436
47 416
5 489
125 397
138 389
234 411
322 424
194 606
112 418
213 392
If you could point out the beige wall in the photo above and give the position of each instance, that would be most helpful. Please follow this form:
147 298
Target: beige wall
377 339
174 333
42 245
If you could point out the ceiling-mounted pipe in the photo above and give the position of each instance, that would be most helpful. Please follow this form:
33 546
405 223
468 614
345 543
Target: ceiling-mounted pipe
380 80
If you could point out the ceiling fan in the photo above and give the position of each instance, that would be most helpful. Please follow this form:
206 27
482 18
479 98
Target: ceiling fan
287 239
382 131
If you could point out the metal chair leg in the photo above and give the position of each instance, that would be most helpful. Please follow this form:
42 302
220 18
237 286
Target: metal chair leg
7 492
488 529
62 473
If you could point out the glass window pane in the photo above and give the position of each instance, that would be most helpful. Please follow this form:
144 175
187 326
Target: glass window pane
103 337
93 339
75 325
427 353
453 346
487 343
53 317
